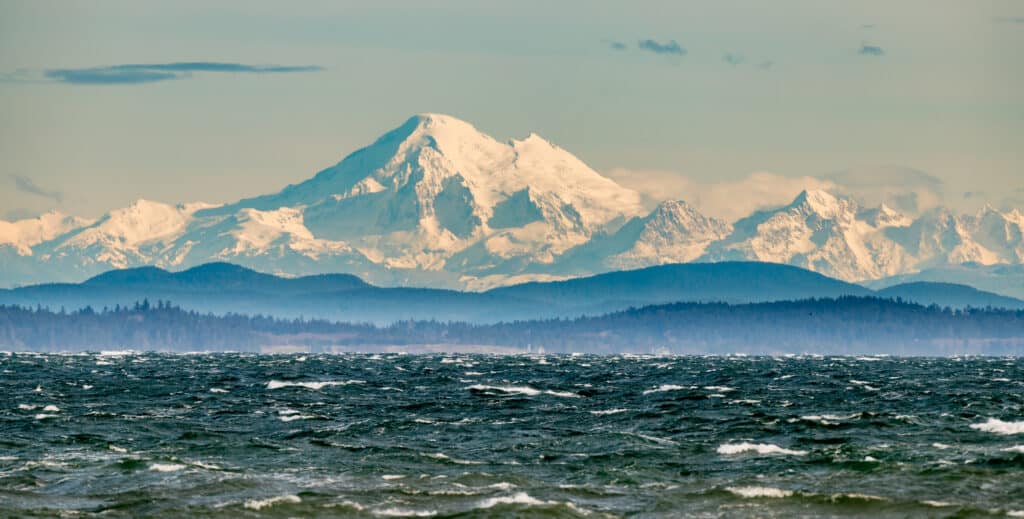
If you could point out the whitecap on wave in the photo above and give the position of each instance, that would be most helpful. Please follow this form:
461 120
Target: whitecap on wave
829 419
755 492
760 448
608 412
403 512
522 390
316 386
665 387
997 426
524 499
166 467
260 504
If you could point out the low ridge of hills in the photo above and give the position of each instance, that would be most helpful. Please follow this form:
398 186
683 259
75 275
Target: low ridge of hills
226 288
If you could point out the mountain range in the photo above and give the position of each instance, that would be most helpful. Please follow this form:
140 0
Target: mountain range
224 288
437 203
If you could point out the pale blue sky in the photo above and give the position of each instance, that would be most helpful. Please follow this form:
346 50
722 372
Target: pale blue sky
933 86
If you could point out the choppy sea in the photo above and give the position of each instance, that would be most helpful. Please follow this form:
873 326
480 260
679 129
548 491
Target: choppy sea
122 434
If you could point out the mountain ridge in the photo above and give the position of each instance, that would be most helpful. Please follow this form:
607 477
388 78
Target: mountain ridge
435 202
226 288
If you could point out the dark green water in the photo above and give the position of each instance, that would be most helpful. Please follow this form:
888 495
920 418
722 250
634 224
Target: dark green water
235 435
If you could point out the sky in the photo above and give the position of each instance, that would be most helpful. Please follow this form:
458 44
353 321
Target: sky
731 105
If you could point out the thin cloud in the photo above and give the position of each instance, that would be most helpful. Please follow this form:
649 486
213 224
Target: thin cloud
734 59
871 50
27 185
616 45
1008 19
20 213
149 73
670 47
729 200
904 189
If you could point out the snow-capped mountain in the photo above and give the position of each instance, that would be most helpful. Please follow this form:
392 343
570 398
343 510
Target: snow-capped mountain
834 236
674 232
22 235
820 232
435 202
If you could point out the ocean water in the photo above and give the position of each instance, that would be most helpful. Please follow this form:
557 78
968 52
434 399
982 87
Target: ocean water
239 435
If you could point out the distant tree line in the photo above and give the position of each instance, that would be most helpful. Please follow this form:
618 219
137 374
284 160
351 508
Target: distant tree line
845 325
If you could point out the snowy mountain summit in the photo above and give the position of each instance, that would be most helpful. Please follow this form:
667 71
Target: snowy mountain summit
436 202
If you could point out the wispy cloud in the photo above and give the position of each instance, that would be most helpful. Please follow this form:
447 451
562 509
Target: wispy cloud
669 47
27 185
729 200
148 73
734 59
616 45
1009 19
871 50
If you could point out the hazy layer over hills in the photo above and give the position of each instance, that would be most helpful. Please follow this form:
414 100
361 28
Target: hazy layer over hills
847 325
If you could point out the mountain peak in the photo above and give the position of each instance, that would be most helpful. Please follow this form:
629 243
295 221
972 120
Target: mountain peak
819 201
25 233
433 124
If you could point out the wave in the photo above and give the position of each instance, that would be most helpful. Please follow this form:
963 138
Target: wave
608 412
756 492
444 457
404 512
166 467
760 448
829 419
997 426
259 504
524 499
665 387
1016 448
316 386
522 390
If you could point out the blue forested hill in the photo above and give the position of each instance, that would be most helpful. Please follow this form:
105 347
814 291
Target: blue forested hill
948 294
226 288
